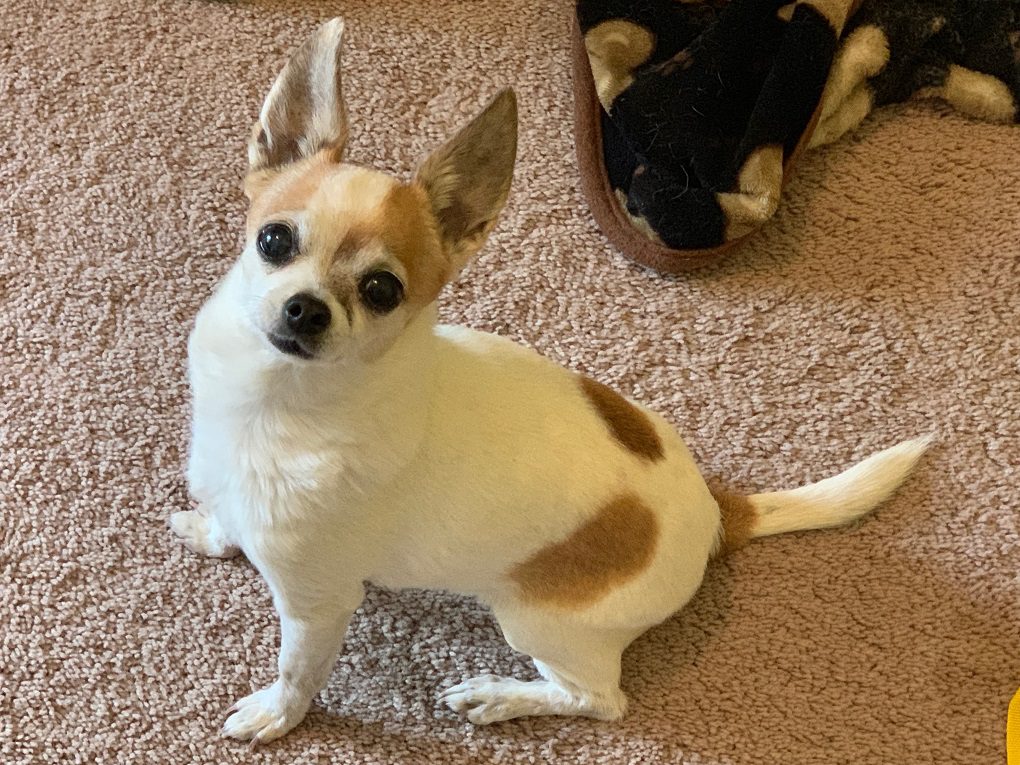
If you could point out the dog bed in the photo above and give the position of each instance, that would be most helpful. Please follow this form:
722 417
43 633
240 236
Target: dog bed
690 115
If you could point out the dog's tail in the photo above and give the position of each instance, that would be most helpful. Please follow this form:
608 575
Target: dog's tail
832 502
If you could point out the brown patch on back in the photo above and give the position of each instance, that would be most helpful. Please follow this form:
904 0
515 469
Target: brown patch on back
628 424
615 545
738 520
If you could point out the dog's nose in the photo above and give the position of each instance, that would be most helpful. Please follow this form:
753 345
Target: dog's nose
306 315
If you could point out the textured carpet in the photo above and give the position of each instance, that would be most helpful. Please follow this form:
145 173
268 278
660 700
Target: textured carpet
883 302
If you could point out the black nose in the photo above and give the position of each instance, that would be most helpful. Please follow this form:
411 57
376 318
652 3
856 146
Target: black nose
306 315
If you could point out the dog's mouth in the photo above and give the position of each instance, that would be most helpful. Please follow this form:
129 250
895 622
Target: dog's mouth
289 345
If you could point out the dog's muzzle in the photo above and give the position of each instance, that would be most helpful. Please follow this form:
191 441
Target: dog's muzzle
303 321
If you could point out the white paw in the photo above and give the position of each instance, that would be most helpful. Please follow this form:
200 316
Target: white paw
194 530
189 527
263 716
490 698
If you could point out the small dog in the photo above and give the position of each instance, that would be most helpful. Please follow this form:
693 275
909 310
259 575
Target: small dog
341 436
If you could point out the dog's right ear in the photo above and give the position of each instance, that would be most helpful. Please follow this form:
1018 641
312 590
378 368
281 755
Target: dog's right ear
304 112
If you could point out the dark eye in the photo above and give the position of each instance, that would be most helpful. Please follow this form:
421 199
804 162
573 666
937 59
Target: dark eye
381 291
276 243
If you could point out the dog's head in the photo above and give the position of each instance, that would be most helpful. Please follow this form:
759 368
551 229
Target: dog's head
340 258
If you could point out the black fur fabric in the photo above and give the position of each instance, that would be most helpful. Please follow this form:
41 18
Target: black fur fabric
704 103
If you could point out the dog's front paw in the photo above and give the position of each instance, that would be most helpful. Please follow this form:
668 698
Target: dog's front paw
490 698
263 716
200 535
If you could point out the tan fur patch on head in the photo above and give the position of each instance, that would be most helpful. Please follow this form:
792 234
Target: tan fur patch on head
402 223
274 192
738 520
359 208
628 424
615 545
408 230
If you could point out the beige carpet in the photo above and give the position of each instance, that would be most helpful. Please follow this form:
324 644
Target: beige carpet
883 302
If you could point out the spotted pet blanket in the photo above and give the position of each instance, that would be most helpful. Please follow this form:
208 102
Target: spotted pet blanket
691 113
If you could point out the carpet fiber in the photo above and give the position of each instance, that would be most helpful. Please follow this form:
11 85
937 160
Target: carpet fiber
881 303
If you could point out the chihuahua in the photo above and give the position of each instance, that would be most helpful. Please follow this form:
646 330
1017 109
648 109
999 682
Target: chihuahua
341 436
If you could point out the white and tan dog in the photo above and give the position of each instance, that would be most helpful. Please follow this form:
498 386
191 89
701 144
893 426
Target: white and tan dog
341 436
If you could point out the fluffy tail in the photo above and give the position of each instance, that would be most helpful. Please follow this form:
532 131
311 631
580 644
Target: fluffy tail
832 502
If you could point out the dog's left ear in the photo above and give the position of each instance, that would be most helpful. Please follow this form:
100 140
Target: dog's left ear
304 112
467 179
